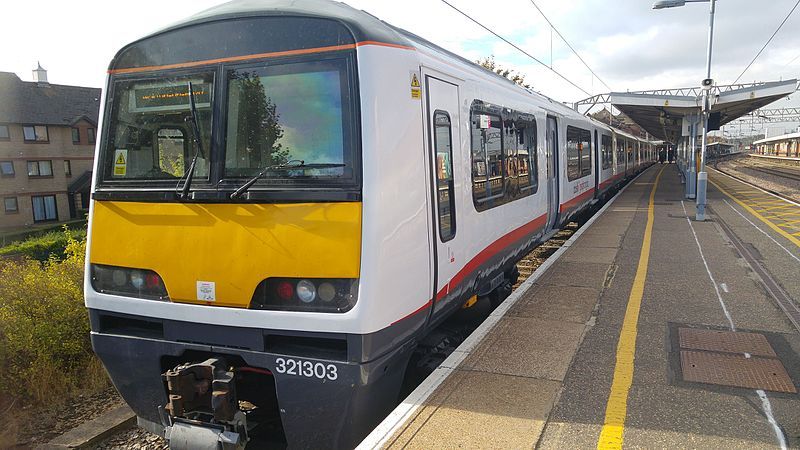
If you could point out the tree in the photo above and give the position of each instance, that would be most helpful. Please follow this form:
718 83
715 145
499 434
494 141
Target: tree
517 77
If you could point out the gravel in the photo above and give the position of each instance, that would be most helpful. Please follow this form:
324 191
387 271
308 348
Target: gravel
133 439
41 425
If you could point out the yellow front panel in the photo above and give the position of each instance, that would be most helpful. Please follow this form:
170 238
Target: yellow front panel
234 245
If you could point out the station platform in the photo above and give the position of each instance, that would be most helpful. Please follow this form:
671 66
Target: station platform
647 329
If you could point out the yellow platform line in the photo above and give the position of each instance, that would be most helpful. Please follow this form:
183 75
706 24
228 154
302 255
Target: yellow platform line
617 405
759 216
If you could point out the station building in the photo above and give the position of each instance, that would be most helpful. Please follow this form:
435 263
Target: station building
786 145
47 137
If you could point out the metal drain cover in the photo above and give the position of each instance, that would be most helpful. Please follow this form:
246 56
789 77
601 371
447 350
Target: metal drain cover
736 370
725 341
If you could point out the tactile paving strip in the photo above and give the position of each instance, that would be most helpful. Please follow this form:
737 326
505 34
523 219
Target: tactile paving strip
736 370
725 341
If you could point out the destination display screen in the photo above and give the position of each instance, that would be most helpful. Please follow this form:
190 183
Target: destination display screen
169 97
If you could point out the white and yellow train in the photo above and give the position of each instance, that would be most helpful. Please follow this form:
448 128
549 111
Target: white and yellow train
289 194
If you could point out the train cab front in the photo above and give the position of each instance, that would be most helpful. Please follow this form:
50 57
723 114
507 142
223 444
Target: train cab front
223 261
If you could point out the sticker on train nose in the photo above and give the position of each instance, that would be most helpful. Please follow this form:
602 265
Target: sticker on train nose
206 291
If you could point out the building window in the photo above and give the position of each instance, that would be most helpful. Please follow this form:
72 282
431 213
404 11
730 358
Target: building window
76 136
607 151
579 153
40 168
7 168
10 204
90 134
35 133
67 168
442 143
4 136
44 208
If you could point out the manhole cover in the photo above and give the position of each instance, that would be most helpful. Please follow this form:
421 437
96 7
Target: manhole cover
736 370
725 341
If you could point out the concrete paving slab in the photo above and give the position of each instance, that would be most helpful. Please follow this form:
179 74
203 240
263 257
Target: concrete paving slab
487 410
94 431
598 255
530 347
590 239
591 275
565 303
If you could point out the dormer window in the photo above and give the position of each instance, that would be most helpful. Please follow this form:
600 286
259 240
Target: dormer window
90 134
76 136
4 136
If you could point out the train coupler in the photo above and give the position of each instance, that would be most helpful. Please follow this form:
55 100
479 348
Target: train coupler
203 410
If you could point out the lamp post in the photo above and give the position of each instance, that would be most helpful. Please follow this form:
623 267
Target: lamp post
707 83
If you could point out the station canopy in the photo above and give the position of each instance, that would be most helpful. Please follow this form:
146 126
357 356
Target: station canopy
662 112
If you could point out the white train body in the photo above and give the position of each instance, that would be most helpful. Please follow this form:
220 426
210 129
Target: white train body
439 224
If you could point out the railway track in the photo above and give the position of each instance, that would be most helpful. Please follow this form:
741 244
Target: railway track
794 176
781 181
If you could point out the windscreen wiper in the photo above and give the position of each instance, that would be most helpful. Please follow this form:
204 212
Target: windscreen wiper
279 167
198 143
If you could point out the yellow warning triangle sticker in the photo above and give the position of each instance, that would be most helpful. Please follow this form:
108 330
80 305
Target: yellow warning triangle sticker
120 159
414 81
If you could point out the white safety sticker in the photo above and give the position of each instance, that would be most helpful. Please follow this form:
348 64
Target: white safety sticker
206 291
416 90
308 369
120 162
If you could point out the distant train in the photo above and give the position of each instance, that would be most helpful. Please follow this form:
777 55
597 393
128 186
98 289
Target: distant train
290 194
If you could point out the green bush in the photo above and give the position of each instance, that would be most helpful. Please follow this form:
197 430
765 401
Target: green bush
43 247
44 329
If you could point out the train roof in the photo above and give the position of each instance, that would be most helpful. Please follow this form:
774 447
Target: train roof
365 27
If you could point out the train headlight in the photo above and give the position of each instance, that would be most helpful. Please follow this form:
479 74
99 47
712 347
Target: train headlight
335 295
137 279
306 291
119 277
326 292
140 283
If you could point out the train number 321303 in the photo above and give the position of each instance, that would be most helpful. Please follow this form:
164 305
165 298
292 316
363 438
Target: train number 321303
308 369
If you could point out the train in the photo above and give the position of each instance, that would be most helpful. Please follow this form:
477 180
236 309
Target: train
289 195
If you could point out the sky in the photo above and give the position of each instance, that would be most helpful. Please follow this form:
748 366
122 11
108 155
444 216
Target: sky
628 45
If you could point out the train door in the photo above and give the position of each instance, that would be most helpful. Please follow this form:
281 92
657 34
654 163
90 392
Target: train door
442 121
552 171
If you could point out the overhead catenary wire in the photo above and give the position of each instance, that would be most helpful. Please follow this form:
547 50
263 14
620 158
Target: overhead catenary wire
553 27
518 48
768 41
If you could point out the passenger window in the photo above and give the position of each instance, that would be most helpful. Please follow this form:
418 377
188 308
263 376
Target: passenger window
504 156
579 153
606 150
487 160
526 157
442 143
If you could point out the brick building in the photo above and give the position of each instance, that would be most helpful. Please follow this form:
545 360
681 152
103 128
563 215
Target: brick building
47 136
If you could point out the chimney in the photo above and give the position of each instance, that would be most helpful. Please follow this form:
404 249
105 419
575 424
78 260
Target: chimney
39 74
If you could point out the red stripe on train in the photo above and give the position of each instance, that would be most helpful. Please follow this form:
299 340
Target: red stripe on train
580 198
494 248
